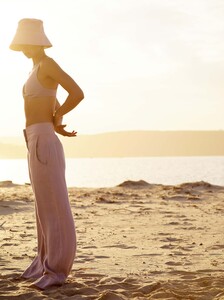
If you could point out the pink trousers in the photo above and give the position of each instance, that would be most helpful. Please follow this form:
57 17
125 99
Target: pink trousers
55 226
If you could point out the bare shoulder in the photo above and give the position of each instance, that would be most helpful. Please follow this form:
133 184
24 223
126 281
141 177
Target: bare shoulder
48 62
50 69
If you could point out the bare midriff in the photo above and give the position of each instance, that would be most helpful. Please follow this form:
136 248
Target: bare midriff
39 109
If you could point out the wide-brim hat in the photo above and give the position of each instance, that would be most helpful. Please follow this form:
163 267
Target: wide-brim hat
30 32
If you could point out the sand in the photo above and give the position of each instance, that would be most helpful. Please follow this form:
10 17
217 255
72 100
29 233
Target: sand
135 241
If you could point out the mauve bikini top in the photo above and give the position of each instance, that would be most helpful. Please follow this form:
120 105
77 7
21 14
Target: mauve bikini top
33 88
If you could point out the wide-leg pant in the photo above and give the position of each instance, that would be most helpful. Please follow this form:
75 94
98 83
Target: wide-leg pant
55 226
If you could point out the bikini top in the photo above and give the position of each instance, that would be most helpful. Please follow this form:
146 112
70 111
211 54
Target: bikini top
33 88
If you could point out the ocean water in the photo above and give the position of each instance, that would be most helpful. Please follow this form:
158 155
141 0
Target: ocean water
108 172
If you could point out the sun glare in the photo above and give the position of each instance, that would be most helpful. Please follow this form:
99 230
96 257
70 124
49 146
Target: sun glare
143 71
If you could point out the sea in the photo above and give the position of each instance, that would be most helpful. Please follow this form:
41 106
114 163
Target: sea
110 172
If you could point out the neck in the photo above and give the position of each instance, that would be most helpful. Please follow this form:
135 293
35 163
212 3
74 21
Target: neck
38 57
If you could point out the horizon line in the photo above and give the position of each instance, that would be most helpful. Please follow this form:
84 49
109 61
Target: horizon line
134 130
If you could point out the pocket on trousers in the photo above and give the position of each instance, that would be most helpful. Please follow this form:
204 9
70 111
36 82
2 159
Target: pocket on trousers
42 151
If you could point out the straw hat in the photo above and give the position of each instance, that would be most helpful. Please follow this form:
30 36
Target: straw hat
30 32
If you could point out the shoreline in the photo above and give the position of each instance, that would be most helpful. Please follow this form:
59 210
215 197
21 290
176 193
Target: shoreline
135 241
97 173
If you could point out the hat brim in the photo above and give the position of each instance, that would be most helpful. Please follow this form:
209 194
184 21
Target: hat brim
30 32
20 47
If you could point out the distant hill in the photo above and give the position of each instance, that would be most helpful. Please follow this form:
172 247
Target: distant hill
130 144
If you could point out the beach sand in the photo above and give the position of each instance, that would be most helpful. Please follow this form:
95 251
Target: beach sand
135 241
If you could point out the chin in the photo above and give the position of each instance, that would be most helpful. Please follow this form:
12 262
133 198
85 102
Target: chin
28 55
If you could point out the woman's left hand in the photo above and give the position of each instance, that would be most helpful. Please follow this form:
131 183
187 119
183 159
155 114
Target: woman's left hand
60 130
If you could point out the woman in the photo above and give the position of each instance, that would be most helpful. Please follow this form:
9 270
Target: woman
55 225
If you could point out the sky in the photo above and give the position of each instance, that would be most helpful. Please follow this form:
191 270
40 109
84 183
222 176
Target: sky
142 64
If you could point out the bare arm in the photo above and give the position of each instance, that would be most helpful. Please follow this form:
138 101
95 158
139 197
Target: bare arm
58 127
74 97
57 76
75 94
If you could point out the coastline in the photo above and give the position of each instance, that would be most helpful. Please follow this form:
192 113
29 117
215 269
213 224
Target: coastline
109 172
134 143
135 241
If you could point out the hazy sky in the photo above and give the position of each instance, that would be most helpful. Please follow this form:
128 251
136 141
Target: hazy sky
142 64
